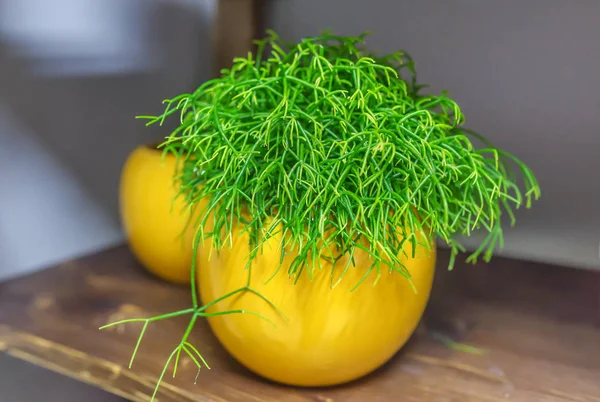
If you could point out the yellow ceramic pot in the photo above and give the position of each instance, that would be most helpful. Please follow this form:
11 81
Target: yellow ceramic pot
153 218
330 336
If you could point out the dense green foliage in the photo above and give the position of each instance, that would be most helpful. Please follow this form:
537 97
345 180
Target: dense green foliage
339 149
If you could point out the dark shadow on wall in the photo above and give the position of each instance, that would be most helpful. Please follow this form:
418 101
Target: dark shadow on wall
89 122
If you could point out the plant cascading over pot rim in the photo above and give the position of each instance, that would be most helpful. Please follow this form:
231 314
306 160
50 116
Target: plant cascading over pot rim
334 151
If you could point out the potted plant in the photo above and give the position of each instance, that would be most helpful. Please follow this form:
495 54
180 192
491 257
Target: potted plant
321 178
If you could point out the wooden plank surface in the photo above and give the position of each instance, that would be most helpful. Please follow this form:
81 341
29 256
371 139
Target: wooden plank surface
538 326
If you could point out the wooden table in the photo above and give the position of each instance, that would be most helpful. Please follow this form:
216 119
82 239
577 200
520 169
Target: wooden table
538 328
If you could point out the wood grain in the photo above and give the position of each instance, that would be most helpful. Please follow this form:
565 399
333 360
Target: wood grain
538 327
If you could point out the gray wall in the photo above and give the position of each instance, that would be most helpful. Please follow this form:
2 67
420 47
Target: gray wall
526 75
64 137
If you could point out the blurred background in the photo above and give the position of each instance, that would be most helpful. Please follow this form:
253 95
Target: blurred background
75 73
73 76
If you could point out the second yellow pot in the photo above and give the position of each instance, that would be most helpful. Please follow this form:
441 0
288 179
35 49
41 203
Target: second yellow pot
153 219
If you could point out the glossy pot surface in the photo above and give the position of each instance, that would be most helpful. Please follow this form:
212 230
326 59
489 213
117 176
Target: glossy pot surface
330 336
153 218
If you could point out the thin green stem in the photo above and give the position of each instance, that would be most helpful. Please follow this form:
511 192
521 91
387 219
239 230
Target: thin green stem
137 345
193 348
191 356
269 302
162 374
151 319
228 295
190 326
176 362
238 312
184 344
193 271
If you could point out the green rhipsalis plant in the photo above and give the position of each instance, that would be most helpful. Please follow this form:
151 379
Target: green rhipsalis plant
339 149
322 135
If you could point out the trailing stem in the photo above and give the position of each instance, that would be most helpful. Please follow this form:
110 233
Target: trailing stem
196 312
